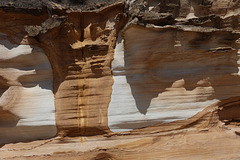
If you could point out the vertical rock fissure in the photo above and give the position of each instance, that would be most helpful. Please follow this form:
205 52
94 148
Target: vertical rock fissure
82 111
81 25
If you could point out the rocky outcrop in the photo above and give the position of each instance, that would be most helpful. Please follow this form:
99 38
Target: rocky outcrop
171 73
200 136
171 61
27 100
80 47
138 70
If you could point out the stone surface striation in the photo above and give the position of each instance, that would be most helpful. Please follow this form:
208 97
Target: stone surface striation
98 79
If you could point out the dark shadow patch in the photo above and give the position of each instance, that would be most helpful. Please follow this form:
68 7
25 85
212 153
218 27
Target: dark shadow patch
3 85
229 113
26 133
8 119
103 156
6 43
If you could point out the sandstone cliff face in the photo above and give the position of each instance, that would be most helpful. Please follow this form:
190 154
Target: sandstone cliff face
172 60
27 101
81 49
79 46
171 73
136 68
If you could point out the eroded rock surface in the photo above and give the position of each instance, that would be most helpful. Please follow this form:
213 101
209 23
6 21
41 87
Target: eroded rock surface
170 74
27 109
140 73
164 73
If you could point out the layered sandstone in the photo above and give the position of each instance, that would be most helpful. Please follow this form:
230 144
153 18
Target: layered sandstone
172 60
79 46
171 73
146 76
27 101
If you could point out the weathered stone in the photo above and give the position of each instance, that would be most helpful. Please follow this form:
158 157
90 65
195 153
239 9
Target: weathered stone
111 79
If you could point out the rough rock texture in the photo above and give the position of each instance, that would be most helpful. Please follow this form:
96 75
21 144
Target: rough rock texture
160 78
79 46
171 73
171 61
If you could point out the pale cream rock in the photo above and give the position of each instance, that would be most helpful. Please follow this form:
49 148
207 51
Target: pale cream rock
26 96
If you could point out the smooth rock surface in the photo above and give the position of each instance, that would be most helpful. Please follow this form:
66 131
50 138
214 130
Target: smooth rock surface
26 97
